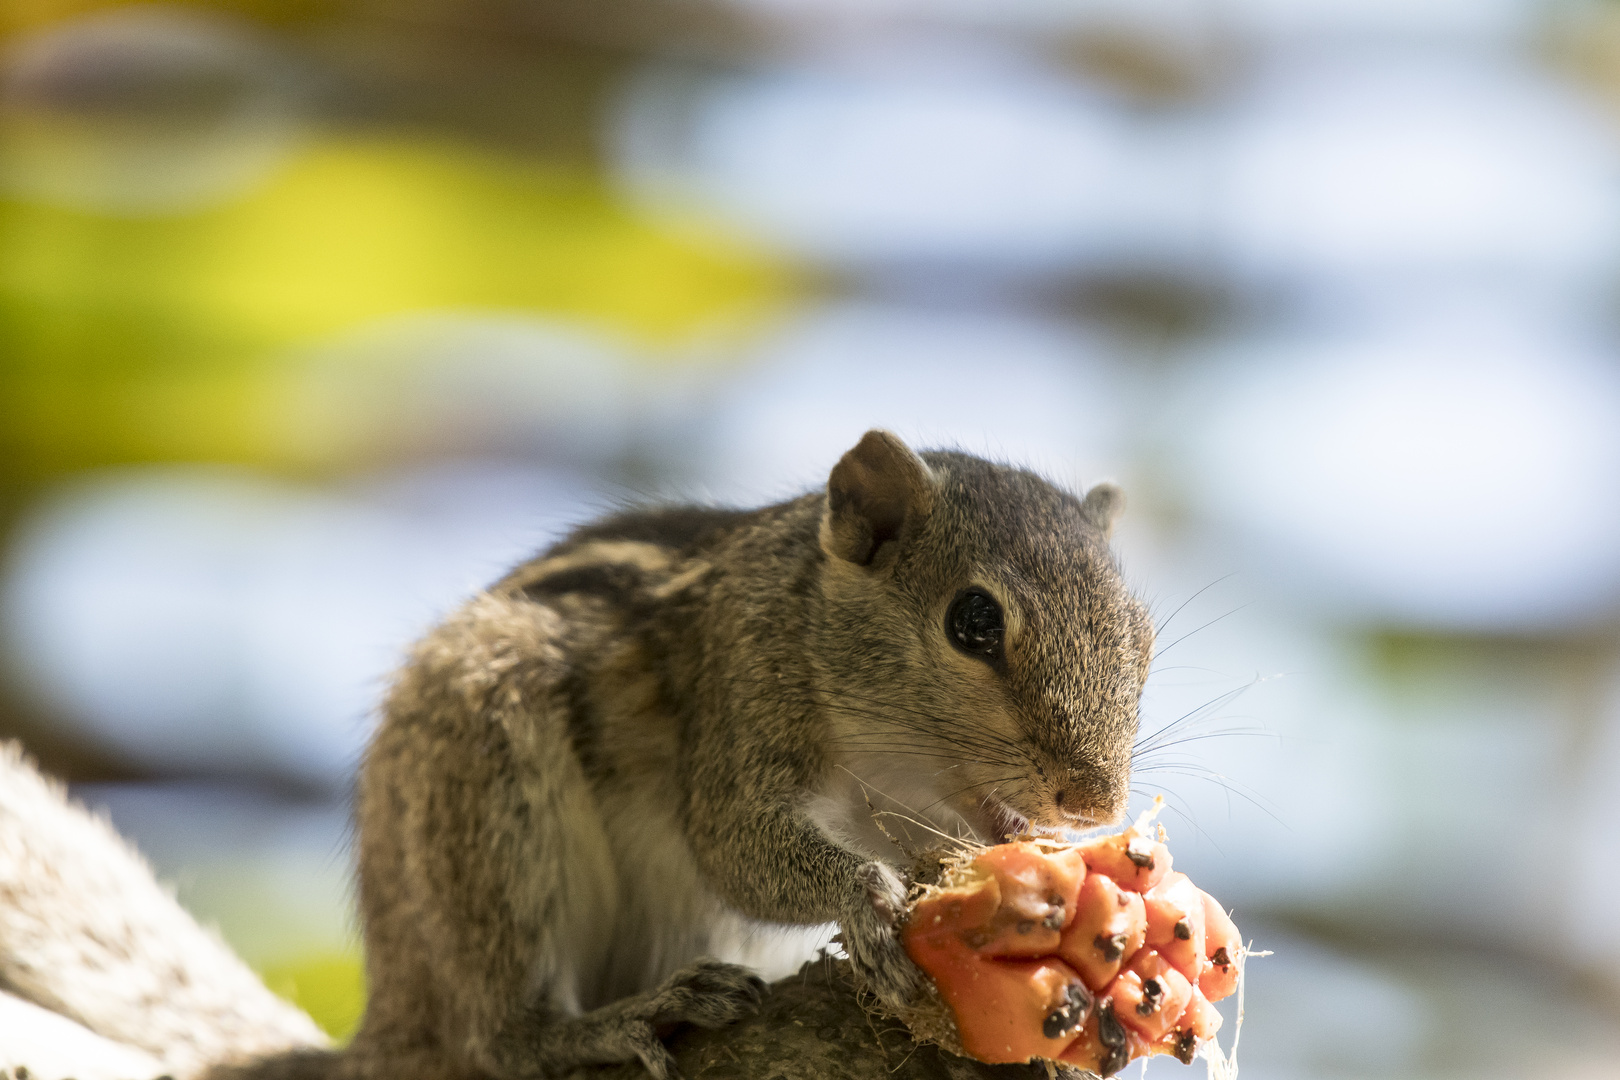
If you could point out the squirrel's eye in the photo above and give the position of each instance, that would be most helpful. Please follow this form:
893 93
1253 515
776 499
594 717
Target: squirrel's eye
974 624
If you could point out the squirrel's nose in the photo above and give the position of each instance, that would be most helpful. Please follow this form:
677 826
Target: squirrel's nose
1074 806
1068 805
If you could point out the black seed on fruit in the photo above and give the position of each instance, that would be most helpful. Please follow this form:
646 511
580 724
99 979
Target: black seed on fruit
1111 1033
1183 931
1186 1043
1068 1017
1026 926
976 939
1152 991
1140 853
1054 919
1112 948
1109 1030
1220 959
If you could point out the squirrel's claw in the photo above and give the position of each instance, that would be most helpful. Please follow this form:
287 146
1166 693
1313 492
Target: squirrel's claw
657 1059
708 993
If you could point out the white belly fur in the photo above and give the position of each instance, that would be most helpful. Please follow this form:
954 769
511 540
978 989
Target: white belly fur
629 910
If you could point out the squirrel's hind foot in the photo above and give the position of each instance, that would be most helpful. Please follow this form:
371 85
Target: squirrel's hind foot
707 993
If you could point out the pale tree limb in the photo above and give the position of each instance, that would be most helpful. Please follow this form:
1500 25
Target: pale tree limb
49 1046
88 934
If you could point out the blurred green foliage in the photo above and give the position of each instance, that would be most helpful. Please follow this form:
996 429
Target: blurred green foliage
173 337
20 15
331 988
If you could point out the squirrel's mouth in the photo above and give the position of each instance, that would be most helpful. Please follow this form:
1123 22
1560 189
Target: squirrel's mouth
1004 823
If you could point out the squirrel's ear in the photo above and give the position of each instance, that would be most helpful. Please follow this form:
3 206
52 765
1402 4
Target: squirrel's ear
1102 505
874 491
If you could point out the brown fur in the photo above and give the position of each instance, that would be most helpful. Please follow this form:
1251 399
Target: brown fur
674 727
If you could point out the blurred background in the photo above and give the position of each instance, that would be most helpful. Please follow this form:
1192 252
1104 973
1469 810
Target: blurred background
314 316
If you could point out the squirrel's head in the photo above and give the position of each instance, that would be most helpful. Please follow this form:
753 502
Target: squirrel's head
981 658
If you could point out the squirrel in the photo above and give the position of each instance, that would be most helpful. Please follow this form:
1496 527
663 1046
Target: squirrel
679 721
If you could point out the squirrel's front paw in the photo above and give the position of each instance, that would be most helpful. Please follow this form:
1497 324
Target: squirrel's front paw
870 933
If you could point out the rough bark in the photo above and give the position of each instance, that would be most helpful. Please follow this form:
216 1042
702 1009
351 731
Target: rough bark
104 977
812 1027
